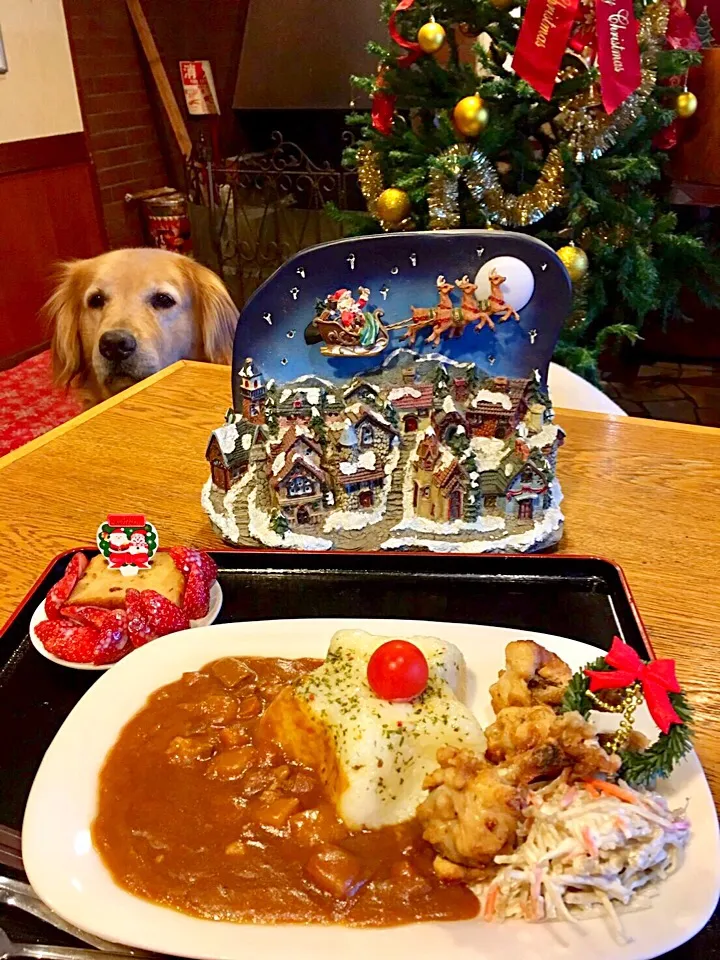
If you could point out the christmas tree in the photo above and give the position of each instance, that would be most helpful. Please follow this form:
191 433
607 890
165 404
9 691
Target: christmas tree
460 138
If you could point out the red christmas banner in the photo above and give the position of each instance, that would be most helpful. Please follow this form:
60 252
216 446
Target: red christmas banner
618 53
542 41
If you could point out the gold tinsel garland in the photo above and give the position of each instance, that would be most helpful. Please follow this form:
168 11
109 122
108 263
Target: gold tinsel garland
591 132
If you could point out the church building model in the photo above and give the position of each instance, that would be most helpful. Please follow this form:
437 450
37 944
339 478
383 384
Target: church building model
414 449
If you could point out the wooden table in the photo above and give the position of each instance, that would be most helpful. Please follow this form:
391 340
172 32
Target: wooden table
643 493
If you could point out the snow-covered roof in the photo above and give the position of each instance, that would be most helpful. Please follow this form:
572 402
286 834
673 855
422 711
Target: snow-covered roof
357 412
227 437
248 369
361 384
397 393
297 460
235 440
545 438
410 398
489 452
494 397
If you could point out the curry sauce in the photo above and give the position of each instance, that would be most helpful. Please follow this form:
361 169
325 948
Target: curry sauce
199 811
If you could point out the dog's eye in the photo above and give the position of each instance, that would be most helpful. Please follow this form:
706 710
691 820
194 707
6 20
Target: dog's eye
161 301
96 300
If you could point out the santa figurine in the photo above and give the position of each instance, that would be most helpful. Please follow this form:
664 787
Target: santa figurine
119 544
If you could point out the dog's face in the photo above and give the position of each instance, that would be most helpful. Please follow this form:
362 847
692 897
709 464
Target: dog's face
127 314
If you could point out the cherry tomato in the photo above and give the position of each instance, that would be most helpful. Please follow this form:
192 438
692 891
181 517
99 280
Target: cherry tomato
397 670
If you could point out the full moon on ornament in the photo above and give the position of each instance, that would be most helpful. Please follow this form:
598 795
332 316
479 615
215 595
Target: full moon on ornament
518 287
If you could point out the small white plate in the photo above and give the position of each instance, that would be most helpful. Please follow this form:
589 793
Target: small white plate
216 599
67 873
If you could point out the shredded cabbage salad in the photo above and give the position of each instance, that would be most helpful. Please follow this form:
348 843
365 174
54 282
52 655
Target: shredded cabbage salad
584 850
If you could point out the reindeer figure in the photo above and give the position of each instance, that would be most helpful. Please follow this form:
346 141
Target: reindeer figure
496 304
440 316
469 306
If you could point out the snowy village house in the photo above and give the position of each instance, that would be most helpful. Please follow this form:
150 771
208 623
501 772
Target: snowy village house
299 483
440 482
364 446
497 412
413 402
300 403
528 494
232 449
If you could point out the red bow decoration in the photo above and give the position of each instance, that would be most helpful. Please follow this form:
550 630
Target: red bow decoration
414 50
656 678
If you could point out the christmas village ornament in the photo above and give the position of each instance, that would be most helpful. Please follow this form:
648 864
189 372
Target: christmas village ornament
386 426
619 683
431 36
127 542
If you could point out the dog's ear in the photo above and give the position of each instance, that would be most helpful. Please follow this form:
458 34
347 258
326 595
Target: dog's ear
63 311
216 312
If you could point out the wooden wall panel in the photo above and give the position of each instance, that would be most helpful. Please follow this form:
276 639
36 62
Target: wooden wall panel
45 216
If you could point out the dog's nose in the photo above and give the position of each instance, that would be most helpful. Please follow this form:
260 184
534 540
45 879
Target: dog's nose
117 344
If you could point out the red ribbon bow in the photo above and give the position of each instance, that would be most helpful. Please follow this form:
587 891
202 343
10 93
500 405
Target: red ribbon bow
414 50
657 680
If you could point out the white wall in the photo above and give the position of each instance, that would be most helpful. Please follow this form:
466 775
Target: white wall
38 95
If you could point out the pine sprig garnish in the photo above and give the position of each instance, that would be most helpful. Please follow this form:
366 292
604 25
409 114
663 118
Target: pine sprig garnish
640 768
575 697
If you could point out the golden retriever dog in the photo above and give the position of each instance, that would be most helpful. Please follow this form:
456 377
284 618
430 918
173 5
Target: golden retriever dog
126 314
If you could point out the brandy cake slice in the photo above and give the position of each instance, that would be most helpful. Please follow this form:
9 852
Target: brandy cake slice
372 754
103 587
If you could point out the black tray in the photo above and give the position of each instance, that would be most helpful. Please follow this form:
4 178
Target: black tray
584 598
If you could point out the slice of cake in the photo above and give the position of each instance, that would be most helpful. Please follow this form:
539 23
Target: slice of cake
102 587
373 754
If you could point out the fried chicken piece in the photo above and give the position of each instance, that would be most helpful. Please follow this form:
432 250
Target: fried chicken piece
447 870
470 815
533 742
532 675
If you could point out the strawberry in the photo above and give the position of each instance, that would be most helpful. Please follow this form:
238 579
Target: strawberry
185 558
196 601
113 641
68 641
85 614
58 594
162 614
138 625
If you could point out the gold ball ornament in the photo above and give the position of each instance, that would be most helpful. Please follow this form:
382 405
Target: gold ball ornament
470 116
575 261
503 4
686 104
393 205
431 36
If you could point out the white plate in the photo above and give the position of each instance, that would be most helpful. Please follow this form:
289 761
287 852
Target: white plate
216 599
69 876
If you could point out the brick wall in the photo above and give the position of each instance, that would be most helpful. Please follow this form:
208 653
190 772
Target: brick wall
119 106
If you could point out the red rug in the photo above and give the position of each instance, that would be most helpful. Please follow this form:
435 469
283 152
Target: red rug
29 404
